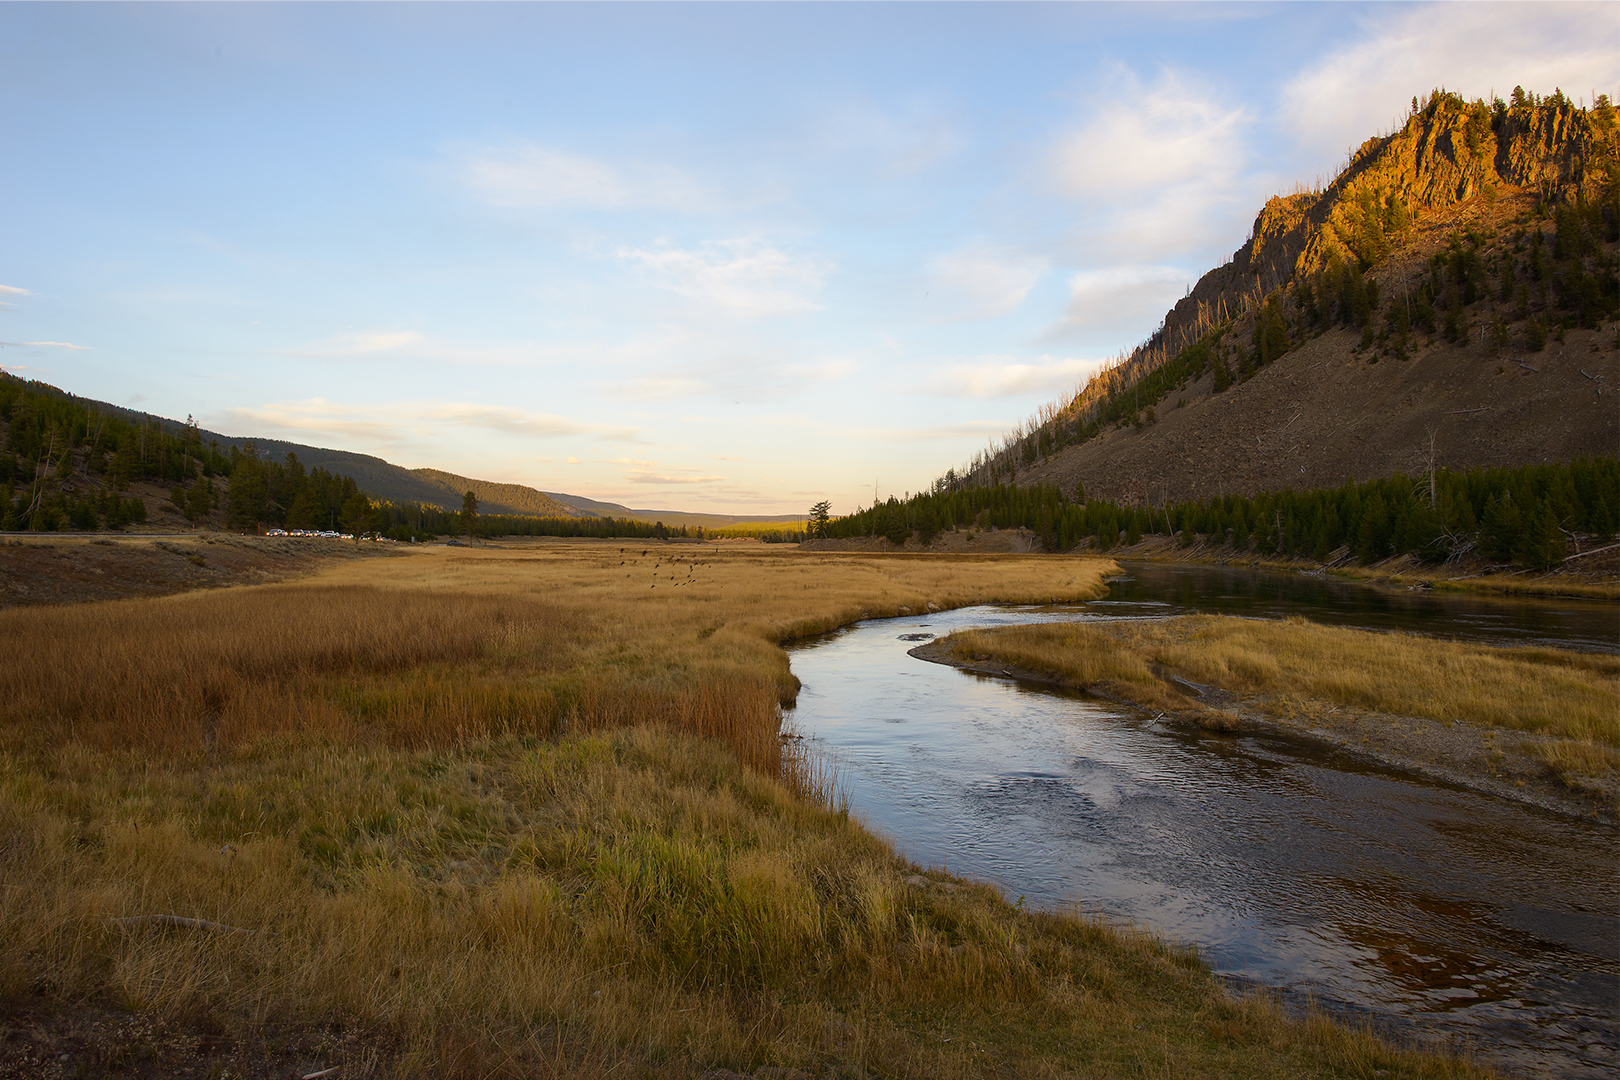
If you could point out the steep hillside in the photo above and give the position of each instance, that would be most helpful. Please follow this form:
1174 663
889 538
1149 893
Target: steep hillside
1451 296
1329 411
493 498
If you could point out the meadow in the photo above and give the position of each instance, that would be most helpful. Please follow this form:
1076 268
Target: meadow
529 811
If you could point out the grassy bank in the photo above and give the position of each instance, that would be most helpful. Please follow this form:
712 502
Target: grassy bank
526 812
1295 667
1597 579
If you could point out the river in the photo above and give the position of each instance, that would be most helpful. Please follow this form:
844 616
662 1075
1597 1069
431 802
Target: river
1428 910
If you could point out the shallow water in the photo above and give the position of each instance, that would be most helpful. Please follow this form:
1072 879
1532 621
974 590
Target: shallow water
1160 588
1430 910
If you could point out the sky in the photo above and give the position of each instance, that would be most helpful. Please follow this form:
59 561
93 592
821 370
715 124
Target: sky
725 257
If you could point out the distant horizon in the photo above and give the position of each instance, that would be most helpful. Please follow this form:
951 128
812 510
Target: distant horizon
722 259
257 439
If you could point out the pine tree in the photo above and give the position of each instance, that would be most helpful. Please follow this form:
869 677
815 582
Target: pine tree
820 515
1270 333
1541 543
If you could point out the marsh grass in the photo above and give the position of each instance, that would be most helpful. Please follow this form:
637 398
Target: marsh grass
450 646
523 814
633 899
1573 696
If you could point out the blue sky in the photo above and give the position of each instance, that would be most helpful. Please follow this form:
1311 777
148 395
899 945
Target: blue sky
734 257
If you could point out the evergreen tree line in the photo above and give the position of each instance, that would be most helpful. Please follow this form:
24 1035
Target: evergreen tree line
72 462
999 506
418 522
282 494
1510 515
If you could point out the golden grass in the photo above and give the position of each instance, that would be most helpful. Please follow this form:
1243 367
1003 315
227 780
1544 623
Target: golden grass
454 645
1583 586
745 530
1575 696
1401 573
464 797
632 901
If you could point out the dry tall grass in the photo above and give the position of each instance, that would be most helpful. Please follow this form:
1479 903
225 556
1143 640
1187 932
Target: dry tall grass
457 645
1572 695
460 796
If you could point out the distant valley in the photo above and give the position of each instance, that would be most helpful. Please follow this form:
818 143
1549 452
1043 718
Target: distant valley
386 482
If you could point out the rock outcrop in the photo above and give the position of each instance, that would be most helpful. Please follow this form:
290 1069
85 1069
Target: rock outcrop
1449 151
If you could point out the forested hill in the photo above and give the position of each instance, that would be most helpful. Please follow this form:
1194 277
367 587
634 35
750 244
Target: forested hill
1448 300
382 480
93 451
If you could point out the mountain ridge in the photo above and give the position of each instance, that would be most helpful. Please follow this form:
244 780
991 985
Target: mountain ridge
1450 211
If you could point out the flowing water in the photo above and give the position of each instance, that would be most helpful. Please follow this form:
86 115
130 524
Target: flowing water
1158 589
1425 909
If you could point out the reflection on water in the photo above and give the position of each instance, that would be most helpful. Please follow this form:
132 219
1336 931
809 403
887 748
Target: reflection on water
1288 862
1164 589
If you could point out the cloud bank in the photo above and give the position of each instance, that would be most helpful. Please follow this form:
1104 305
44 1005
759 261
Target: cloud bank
1472 49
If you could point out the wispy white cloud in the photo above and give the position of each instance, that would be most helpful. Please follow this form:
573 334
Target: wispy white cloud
741 277
665 478
1158 168
391 345
1473 49
364 343
404 422
966 429
748 374
45 345
998 376
1104 304
640 471
528 175
14 291
1142 138
981 281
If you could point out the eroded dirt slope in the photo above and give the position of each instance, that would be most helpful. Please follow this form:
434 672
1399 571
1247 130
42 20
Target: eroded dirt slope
66 569
1329 412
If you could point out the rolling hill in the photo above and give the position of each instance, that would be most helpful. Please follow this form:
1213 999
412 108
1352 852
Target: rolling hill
387 482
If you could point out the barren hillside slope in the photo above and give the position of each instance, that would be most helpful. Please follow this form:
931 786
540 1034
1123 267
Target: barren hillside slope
1451 297
1328 412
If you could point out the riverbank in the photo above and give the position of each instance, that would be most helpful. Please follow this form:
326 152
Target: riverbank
1592 575
1538 726
46 569
525 810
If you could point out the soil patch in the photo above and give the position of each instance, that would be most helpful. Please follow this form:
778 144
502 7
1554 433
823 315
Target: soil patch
1330 411
90 1039
47 569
